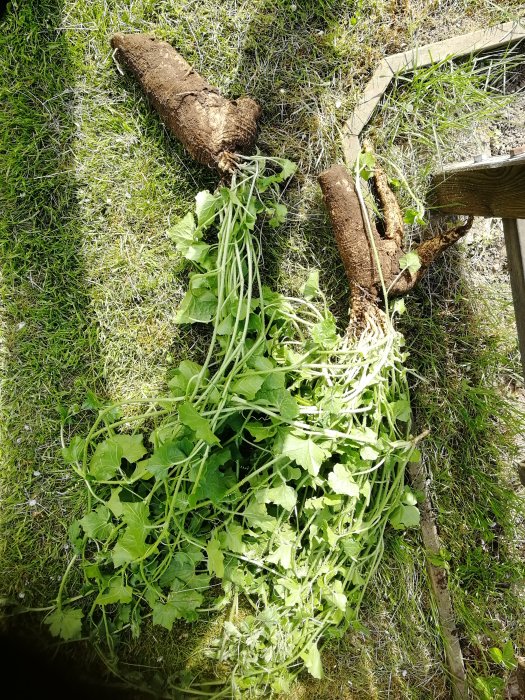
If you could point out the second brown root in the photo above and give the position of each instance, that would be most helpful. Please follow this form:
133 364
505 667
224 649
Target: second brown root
356 244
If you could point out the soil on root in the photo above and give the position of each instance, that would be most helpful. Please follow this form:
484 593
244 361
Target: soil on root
208 125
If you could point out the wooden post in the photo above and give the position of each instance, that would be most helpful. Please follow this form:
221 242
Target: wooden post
514 230
488 187
492 187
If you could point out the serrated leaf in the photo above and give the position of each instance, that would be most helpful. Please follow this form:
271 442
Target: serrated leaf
96 525
279 212
108 455
257 516
206 207
231 538
304 452
410 261
312 661
181 567
324 333
181 604
215 558
183 233
65 623
401 410
190 417
160 462
213 483
248 385
310 288
341 481
115 592
282 556
199 303
106 460
260 432
282 495
114 503
132 543
74 452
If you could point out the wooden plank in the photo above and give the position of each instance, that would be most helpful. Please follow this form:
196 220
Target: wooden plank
439 585
515 244
462 45
495 187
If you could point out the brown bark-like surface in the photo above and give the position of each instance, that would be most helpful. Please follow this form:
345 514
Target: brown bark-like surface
356 247
210 127
352 239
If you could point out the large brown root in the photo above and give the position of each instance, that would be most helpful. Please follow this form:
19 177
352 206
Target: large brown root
356 246
209 126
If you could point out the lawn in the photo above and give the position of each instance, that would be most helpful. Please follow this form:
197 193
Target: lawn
90 286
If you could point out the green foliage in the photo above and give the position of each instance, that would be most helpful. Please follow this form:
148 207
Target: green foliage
272 468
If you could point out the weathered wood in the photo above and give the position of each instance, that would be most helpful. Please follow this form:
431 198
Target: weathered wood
495 188
439 585
515 243
419 57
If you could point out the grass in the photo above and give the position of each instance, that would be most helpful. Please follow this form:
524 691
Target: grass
90 287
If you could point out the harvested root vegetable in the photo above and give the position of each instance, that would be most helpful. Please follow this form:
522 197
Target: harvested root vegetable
376 263
209 126
262 482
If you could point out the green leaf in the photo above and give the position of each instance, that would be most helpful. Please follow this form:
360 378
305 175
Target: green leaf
96 525
410 261
199 303
181 604
260 432
184 378
231 538
213 483
324 333
312 661
183 234
206 208
304 452
257 516
341 481
116 592
288 168
215 558
190 417
65 623
114 502
160 462
310 288
279 212
414 216
335 595
74 451
367 164
181 567
401 410
282 556
404 516
248 385
509 658
108 455
283 495
369 453
132 543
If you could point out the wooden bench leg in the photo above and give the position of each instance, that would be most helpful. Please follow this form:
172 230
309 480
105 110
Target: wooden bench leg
514 230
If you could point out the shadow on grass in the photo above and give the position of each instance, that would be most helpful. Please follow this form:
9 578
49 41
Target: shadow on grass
49 350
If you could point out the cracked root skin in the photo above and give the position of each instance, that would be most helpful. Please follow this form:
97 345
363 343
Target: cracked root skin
355 247
352 239
208 125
